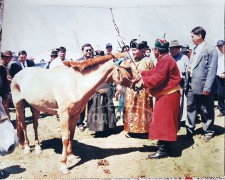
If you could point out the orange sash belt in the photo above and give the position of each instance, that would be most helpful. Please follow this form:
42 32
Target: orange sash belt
169 91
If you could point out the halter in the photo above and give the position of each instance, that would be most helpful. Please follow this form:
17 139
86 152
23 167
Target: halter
119 72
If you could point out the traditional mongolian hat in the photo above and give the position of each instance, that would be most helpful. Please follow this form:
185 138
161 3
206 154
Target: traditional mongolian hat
61 49
163 44
137 44
145 44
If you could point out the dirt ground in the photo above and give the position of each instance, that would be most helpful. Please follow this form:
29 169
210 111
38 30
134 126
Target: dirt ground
114 155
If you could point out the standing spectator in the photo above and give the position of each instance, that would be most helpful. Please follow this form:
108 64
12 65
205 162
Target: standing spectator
220 78
120 92
108 48
148 52
61 57
88 52
101 111
163 82
16 66
186 50
138 105
182 62
200 93
6 80
145 46
54 55
21 63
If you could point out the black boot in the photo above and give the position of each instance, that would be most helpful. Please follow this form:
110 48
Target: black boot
163 150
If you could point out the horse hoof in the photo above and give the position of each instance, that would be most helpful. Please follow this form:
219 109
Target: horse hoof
27 150
21 146
38 150
72 158
64 171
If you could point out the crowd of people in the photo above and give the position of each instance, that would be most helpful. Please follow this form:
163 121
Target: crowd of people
178 84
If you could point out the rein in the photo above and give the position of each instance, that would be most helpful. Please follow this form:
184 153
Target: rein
118 32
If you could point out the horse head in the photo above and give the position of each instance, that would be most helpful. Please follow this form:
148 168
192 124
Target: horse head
8 137
127 74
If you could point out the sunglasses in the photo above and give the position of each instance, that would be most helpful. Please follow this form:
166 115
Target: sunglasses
90 50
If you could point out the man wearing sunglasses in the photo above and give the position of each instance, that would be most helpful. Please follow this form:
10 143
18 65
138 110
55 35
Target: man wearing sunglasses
87 50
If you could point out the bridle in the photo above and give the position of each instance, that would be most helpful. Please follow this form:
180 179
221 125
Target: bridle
120 74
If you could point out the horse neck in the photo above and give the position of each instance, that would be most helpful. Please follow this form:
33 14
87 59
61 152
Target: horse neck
98 76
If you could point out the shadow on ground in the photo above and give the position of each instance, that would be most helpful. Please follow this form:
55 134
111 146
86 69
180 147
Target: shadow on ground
5 173
89 152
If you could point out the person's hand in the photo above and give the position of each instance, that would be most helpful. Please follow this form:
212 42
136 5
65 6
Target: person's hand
136 80
222 75
206 93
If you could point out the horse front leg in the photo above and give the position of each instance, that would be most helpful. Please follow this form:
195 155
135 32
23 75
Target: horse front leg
70 156
36 114
64 124
22 127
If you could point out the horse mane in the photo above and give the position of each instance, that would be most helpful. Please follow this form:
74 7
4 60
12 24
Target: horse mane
81 65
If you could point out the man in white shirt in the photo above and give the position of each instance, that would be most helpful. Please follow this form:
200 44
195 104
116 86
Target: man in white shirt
220 78
59 60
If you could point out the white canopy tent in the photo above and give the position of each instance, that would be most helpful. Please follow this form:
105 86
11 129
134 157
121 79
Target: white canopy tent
38 26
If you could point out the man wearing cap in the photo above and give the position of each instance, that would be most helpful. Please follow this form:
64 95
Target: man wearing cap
6 79
220 78
186 50
163 83
108 48
61 57
182 62
201 73
54 55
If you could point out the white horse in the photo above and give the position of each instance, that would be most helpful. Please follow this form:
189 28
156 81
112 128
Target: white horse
8 137
64 90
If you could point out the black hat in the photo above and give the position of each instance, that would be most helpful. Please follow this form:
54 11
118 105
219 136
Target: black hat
54 52
61 49
145 44
137 44
132 42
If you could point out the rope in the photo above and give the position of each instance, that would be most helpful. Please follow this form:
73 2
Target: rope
121 39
